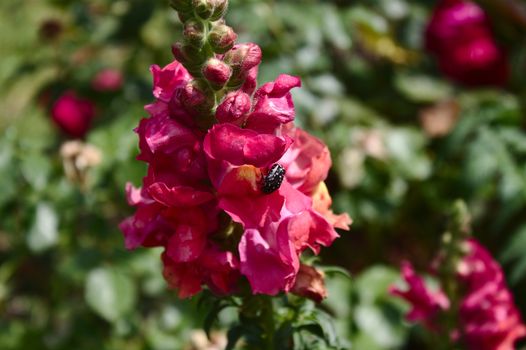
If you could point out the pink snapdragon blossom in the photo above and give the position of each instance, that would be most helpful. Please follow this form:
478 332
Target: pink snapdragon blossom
202 198
488 318
459 35
73 114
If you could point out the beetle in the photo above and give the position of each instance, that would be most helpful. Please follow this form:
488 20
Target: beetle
272 181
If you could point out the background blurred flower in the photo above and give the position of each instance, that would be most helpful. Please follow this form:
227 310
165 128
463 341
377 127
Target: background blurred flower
459 34
107 80
439 119
78 158
73 114
487 316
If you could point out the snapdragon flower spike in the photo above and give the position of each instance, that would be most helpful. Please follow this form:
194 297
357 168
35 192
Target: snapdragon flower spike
248 163
488 318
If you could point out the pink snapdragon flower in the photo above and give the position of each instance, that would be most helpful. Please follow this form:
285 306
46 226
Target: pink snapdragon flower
488 318
73 114
282 224
207 198
459 35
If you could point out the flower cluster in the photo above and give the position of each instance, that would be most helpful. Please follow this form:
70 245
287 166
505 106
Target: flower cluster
488 318
233 187
460 36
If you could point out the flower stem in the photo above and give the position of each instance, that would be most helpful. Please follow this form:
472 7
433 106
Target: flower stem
267 322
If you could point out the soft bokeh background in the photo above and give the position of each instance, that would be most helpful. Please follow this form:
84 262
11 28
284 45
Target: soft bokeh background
405 141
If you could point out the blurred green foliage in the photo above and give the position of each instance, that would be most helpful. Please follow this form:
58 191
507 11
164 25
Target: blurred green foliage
369 91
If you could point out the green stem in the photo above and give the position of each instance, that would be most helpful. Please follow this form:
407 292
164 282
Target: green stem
267 322
453 251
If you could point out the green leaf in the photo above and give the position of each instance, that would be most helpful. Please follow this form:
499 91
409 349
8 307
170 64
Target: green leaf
334 29
327 326
336 270
36 169
514 251
374 283
405 147
110 293
212 316
422 88
44 232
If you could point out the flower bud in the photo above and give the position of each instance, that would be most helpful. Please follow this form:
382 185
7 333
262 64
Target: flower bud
211 10
234 108
220 7
310 284
222 38
176 109
178 53
185 16
242 58
194 33
203 8
189 56
196 97
250 84
217 72
181 5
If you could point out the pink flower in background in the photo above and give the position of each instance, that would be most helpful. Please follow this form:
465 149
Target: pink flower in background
426 304
488 318
107 80
72 114
459 35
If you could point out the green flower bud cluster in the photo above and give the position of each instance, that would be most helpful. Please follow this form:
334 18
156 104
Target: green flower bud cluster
206 39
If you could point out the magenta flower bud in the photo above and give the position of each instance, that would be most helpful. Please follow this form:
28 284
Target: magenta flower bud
250 84
194 33
217 72
234 108
178 53
242 58
222 38
196 97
